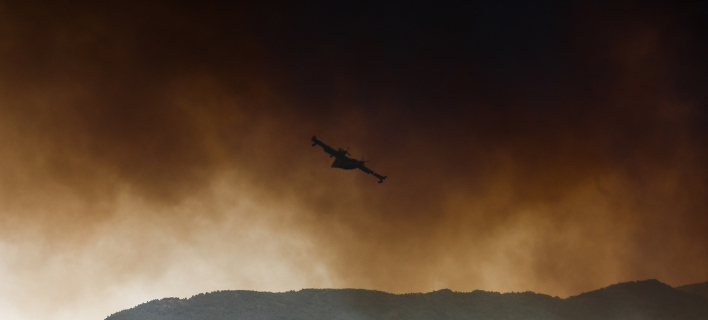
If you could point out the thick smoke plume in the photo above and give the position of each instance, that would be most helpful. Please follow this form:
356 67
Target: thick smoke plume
155 150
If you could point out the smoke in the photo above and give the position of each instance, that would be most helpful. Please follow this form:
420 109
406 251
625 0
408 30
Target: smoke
163 150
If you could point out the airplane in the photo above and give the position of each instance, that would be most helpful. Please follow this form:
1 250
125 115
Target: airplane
343 162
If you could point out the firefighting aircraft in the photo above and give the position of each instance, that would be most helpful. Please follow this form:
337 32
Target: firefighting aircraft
343 162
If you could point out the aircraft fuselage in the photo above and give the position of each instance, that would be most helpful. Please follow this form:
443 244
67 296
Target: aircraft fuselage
346 163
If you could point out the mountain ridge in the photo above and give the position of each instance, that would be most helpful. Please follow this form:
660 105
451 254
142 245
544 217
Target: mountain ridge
700 289
648 299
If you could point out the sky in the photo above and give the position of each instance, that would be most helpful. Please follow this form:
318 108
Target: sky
155 149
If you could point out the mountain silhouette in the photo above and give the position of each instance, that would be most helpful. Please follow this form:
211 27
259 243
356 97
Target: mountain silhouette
646 300
700 289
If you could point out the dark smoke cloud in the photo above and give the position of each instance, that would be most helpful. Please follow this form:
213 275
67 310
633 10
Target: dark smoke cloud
149 147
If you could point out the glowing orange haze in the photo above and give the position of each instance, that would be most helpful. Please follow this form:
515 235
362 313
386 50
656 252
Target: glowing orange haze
136 166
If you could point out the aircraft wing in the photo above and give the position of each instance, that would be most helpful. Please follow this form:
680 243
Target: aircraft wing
371 172
326 148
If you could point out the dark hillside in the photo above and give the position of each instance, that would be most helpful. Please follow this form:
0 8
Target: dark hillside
647 300
700 289
347 304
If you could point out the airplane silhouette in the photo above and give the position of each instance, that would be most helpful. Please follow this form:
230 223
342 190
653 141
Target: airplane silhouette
343 162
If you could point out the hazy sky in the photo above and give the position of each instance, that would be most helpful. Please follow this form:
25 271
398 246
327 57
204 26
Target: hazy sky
161 150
